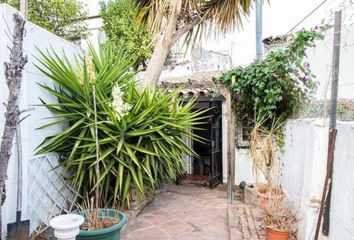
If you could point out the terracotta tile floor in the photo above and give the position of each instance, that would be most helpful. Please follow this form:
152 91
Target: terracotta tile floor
182 213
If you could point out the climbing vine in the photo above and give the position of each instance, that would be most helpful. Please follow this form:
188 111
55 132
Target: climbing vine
276 86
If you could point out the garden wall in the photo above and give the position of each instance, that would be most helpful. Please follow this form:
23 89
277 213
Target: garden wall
303 173
44 192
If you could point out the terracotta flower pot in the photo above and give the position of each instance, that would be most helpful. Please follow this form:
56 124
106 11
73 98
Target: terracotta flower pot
264 196
272 234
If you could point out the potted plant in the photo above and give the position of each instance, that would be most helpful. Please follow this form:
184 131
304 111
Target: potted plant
280 221
117 142
266 163
268 193
100 223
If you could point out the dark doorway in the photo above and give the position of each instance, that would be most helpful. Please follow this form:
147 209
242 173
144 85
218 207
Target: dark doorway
208 166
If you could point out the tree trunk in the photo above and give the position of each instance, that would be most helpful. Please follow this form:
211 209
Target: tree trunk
163 47
13 76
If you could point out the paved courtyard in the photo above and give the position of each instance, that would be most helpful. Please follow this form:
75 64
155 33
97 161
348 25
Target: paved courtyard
183 212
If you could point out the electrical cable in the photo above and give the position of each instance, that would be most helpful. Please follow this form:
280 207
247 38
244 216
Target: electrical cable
308 15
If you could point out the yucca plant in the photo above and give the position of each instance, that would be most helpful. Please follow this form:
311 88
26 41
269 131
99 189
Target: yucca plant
139 131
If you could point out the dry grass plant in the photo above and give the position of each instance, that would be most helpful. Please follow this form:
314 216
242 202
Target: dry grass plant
280 216
263 155
95 218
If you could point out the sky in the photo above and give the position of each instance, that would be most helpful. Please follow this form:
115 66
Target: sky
279 16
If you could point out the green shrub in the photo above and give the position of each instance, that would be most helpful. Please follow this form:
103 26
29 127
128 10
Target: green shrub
140 132
277 86
65 18
122 29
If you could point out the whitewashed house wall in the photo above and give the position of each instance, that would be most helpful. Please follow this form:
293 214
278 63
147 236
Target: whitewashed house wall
44 191
304 169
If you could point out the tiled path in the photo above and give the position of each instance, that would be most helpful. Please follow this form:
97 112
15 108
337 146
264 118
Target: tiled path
245 222
183 212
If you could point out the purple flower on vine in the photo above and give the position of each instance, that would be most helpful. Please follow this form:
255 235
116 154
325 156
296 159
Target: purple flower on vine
296 71
306 64
276 75
317 28
305 79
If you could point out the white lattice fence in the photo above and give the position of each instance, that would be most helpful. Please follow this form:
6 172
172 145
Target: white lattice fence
49 193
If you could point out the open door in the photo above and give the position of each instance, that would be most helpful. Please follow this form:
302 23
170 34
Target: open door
215 174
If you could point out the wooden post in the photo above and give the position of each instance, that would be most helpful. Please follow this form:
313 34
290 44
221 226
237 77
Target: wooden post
231 130
230 116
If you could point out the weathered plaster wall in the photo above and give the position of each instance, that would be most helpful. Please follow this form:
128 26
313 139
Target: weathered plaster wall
243 167
304 166
43 191
342 214
303 173
320 59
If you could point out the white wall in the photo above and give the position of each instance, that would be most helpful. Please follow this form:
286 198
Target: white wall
342 215
304 166
243 167
320 59
94 24
43 191
304 171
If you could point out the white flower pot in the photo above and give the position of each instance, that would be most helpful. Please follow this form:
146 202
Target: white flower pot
67 226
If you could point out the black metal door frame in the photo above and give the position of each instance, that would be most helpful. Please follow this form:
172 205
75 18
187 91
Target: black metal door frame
215 175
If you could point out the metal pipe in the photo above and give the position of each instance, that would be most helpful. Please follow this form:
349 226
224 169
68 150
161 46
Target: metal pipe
326 194
259 17
24 8
333 117
335 68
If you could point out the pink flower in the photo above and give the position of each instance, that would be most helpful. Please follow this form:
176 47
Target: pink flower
306 64
276 75
305 79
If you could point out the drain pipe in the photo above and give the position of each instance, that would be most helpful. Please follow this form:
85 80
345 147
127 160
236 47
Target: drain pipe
259 18
327 187
67 226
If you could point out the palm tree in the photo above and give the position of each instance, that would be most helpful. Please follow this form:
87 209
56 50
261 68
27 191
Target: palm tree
170 20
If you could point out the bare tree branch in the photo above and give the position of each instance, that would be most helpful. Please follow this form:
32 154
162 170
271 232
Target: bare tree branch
13 75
